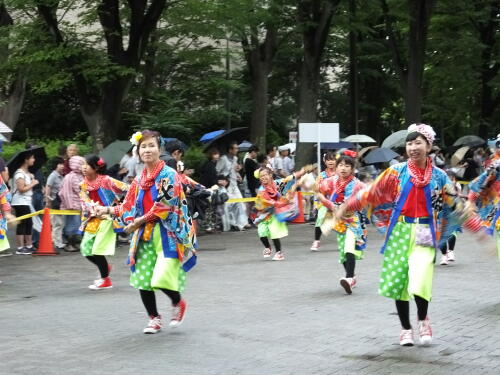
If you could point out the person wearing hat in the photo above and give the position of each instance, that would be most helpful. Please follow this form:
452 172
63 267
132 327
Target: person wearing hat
408 198
283 163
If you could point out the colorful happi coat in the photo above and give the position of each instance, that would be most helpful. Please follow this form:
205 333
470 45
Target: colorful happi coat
4 207
110 191
265 203
170 211
389 191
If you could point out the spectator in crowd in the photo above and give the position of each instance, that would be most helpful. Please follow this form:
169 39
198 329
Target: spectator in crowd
70 200
479 158
173 153
4 171
283 164
122 172
134 167
251 166
228 166
22 194
71 150
437 157
37 200
271 151
262 161
208 170
53 201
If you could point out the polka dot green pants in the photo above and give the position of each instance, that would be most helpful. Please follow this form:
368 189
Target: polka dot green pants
347 244
407 269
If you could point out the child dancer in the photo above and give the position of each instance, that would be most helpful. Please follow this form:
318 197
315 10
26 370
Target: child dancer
448 247
99 238
418 192
351 232
330 163
271 195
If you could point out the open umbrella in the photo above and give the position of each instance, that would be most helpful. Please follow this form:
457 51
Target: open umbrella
459 155
469 140
336 145
171 142
3 138
207 137
113 153
395 140
244 146
365 150
380 155
359 138
4 128
18 159
222 140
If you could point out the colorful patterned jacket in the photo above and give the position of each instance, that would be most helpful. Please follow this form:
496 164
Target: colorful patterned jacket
389 187
110 192
266 206
485 193
4 207
322 176
170 210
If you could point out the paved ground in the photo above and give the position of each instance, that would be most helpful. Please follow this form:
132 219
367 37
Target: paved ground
247 315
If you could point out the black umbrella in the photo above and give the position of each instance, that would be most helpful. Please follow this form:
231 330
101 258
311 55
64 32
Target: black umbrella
380 155
18 159
222 140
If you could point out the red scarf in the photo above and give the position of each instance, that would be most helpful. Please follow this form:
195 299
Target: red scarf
270 191
96 183
419 177
341 183
148 179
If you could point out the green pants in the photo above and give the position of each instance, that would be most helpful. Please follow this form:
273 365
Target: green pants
347 244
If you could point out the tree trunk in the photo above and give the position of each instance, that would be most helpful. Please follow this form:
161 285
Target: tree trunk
258 122
315 17
353 70
11 110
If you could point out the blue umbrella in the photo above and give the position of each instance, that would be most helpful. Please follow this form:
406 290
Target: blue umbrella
380 155
337 145
209 136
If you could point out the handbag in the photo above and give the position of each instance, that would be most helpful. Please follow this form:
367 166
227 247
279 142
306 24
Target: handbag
423 235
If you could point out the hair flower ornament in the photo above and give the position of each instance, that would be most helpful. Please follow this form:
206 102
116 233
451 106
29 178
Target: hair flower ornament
100 162
136 137
425 130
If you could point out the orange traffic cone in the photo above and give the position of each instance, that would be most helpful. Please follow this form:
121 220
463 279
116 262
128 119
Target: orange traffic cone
45 245
300 218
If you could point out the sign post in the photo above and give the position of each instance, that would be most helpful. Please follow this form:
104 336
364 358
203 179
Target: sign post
318 132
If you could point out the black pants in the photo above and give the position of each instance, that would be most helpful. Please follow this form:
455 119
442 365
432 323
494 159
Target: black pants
317 233
267 245
349 264
24 227
101 263
403 308
149 300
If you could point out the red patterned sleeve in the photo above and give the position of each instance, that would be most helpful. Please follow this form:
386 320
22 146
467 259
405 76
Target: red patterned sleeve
383 190
128 202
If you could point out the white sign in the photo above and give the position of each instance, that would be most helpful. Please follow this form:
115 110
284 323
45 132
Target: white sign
317 132
292 137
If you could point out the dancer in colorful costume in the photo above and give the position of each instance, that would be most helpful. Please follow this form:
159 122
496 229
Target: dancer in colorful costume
162 246
5 215
485 194
418 193
351 231
330 164
99 238
274 209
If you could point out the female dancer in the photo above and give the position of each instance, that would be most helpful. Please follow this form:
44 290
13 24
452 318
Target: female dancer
329 160
419 192
163 235
271 196
5 215
351 232
485 194
99 238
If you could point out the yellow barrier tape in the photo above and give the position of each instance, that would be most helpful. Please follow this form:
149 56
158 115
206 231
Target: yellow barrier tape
252 199
53 212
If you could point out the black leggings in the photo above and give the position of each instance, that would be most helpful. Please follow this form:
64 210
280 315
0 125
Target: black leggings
149 299
451 244
24 227
349 264
403 308
317 233
101 263
267 245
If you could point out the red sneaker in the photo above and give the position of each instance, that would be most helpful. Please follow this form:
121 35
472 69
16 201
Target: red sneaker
110 267
178 314
101 284
154 325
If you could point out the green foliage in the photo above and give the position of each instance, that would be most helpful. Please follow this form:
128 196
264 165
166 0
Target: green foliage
194 158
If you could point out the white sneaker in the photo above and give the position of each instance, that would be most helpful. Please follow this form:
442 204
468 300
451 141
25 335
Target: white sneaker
347 283
450 255
154 325
425 332
444 260
315 245
406 337
279 256
266 253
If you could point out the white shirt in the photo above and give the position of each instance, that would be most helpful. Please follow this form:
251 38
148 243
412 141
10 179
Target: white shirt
18 198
